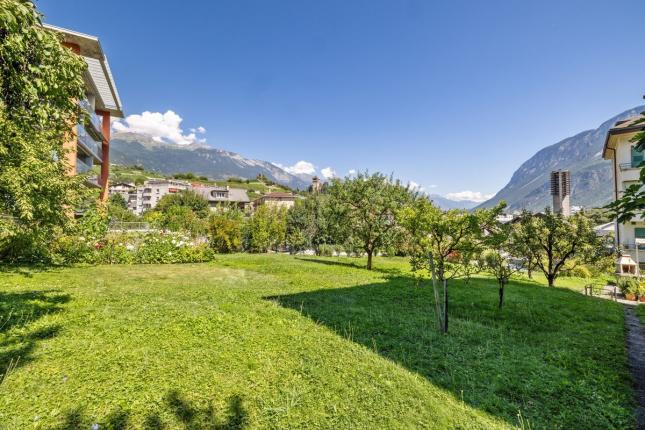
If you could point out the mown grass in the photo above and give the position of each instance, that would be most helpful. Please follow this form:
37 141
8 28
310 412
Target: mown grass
271 341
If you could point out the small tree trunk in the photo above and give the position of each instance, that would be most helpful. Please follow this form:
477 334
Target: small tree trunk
530 272
551 279
445 306
501 294
369 259
435 288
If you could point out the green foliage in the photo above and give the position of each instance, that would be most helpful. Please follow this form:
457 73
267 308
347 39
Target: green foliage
225 231
183 219
552 241
118 209
365 206
310 223
185 198
39 83
266 229
171 248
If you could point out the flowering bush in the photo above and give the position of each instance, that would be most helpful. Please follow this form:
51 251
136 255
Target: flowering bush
171 248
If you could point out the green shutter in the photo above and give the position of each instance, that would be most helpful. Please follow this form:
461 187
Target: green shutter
639 232
637 157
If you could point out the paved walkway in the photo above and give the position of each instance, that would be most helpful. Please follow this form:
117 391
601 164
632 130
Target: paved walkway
636 353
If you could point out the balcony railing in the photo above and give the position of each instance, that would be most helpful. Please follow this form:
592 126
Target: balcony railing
82 167
91 146
95 121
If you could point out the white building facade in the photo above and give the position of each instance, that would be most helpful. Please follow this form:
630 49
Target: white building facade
626 160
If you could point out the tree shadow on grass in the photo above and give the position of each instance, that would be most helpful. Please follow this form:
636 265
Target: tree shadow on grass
19 330
353 264
189 415
545 353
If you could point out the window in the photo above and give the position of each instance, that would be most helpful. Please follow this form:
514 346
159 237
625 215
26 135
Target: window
637 157
639 232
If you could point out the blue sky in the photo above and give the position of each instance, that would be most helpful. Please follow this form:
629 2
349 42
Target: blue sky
453 95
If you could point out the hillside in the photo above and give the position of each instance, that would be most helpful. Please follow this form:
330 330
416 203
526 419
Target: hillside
591 176
164 158
137 175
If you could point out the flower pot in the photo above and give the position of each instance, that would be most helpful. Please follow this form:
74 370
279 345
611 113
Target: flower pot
630 296
641 299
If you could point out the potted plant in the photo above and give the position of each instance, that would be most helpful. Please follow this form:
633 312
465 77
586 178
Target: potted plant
641 291
629 287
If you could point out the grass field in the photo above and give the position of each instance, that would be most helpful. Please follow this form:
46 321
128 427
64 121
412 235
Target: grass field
272 341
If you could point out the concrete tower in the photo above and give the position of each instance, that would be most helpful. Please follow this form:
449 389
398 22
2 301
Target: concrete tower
561 191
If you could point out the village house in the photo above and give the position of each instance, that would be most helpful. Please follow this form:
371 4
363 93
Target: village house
276 200
223 196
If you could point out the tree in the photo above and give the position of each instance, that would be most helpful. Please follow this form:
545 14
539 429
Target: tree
225 230
308 223
367 206
40 82
551 240
444 244
186 198
118 209
497 258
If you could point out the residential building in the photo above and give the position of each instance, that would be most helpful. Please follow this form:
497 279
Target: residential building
90 141
276 199
223 196
149 194
316 185
561 192
128 191
626 160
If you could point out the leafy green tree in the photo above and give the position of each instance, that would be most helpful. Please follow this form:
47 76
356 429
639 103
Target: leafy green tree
225 230
444 245
551 240
40 82
183 218
497 258
258 230
186 198
117 200
366 205
309 223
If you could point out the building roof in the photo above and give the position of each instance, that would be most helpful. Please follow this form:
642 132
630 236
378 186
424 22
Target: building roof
234 195
98 75
631 125
278 195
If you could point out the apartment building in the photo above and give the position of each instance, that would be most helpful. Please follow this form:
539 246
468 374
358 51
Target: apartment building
90 141
153 190
626 160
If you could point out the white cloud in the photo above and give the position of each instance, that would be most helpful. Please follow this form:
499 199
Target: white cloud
415 187
433 186
474 196
301 167
328 172
162 127
352 172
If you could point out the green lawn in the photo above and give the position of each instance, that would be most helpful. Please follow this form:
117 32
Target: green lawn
273 341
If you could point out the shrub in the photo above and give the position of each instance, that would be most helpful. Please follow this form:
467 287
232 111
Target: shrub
628 285
326 250
225 231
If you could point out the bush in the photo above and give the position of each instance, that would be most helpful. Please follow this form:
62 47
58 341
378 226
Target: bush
159 248
225 231
628 285
326 250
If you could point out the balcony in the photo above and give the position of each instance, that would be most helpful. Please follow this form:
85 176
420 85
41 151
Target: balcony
95 122
89 144
82 166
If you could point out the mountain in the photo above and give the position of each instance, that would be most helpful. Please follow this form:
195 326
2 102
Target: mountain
200 159
591 176
447 204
